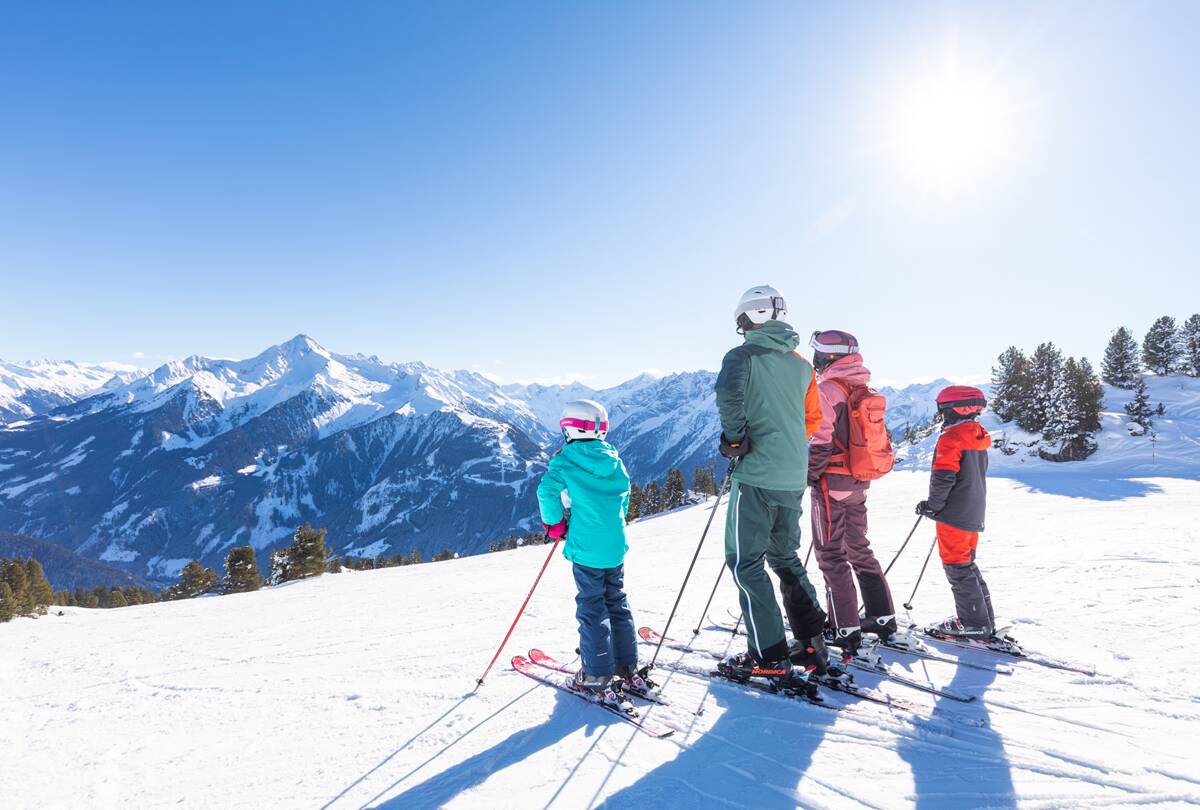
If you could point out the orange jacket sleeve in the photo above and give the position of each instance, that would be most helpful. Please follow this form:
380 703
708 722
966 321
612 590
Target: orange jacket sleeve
812 408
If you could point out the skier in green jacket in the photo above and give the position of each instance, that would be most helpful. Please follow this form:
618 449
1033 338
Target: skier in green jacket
770 407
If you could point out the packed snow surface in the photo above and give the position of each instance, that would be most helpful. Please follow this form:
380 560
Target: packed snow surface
351 691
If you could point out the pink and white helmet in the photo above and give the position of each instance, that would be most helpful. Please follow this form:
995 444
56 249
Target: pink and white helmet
584 419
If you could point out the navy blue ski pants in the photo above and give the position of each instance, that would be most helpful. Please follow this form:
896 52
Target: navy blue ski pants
606 634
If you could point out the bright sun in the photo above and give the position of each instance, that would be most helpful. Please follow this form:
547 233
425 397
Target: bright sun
949 129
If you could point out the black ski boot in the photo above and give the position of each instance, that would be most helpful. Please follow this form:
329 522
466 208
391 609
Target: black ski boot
811 655
882 626
847 640
954 628
780 674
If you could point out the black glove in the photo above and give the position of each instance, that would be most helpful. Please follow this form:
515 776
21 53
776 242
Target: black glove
925 510
732 451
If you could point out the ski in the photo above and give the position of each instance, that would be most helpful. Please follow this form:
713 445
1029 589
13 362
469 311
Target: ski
1002 646
929 655
901 649
716 676
843 684
549 662
527 668
871 663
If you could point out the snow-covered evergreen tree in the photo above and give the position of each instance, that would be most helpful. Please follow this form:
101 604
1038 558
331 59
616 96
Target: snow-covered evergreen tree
1074 412
635 503
703 482
1139 410
652 500
1011 384
1120 366
1189 335
241 571
1046 368
675 489
1161 350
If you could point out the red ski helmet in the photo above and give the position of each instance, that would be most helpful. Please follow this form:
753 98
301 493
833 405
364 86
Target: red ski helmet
964 400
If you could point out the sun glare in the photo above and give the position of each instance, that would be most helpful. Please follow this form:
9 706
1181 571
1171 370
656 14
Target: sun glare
949 129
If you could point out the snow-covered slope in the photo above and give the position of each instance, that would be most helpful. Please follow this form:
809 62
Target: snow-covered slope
31 388
351 691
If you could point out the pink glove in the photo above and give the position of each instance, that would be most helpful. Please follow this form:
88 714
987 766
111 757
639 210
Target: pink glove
558 531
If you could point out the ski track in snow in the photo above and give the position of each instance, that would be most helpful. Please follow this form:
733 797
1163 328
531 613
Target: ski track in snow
353 690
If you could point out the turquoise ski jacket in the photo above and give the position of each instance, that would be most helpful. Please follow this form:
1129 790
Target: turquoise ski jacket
595 481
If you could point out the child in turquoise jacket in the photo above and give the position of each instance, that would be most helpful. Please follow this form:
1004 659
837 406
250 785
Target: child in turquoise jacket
589 477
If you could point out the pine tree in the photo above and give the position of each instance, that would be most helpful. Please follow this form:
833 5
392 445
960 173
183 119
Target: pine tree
652 499
1120 366
1011 384
675 489
1139 410
1161 350
280 567
1089 396
333 565
445 554
702 481
117 599
18 580
194 580
1046 370
635 503
1189 335
40 592
7 602
241 571
306 555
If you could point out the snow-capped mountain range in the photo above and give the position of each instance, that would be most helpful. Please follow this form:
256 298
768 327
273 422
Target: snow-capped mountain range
199 454
30 388
147 470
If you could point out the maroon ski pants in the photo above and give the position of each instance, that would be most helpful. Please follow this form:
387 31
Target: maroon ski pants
844 554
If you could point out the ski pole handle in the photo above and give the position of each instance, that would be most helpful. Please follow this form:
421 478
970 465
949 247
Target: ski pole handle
517 618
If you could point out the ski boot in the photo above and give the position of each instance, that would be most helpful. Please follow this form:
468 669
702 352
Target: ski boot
637 681
602 689
954 628
847 640
781 675
882 626
812 655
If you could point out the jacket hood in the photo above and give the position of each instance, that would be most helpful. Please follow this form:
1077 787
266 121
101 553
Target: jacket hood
775 335
849 368
596 457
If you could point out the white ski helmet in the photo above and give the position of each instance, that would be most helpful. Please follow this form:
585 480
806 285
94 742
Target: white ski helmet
759 305
584 419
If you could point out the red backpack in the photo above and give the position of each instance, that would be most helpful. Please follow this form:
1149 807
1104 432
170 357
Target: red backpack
870 455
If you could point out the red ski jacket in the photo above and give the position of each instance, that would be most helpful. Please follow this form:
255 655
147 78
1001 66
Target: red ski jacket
958 483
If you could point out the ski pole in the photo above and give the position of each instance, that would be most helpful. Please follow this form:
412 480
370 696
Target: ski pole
708 604
902 545
908 604
808 556
513 626
724 486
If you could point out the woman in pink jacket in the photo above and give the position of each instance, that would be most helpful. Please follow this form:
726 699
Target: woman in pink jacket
839 502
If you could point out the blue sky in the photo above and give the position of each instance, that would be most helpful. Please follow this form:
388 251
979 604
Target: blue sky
555 189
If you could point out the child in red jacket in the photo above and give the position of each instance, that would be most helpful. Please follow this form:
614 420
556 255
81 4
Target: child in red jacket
958 501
